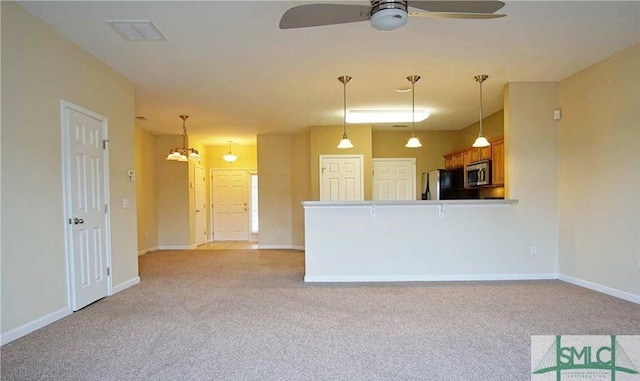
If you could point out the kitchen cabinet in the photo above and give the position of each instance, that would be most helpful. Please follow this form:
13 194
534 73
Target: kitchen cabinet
497 160
454 160
495 153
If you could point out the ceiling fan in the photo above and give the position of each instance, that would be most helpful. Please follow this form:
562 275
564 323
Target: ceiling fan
386 14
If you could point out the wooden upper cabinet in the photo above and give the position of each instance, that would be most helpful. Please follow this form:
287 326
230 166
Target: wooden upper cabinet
495 153
485 153
454 160
497 160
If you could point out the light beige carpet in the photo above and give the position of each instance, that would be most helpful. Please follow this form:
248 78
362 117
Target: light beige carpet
247 315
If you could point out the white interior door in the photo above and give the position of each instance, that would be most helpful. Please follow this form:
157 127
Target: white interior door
341 177
86 204
201 206
229 201
394 179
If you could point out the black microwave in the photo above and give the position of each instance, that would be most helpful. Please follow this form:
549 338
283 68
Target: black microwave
479 174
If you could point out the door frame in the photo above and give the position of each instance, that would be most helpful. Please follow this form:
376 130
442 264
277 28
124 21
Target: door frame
67 194
248 173
360 157
195 191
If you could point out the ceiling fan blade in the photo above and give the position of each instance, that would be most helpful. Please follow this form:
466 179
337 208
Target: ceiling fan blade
308 15
478 6
449 15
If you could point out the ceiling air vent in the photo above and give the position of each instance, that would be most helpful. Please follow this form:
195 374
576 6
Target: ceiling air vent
136 30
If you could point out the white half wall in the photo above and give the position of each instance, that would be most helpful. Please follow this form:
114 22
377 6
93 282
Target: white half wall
421 240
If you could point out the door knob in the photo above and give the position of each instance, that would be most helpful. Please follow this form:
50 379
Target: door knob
77 221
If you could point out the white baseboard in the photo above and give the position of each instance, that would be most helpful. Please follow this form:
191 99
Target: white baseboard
428 278
600 288
297 247
177 247
272 247
34 325
150 250
124 285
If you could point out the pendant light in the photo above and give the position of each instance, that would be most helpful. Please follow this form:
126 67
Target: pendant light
481 141
229 157
345 142
413 141
184 153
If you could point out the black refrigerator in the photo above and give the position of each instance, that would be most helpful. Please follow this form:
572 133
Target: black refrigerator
446 184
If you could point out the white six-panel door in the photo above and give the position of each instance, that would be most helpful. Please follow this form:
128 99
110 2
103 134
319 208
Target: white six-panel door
230 205
341 177
86 203
394 179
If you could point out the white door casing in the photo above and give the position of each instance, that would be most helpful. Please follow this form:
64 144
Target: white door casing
394 179
86 188
230 201
200 205
341 177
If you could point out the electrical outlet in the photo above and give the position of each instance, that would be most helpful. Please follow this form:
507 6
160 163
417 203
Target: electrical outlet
533 250
280 231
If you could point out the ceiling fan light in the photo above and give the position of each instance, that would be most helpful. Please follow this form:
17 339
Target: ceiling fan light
413 143
173 156
194 155
183 158
481 141
389 19
345 143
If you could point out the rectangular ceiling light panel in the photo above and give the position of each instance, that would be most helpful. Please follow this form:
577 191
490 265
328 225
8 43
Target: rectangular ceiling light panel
137 30
385 116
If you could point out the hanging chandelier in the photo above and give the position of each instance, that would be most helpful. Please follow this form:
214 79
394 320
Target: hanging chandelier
229 157
345 142
413 142
184 153
481 141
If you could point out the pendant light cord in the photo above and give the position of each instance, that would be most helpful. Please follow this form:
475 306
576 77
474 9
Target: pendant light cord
413 109
480 79
184 134
480 107
344 110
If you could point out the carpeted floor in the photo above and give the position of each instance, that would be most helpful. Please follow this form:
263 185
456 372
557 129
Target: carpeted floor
247 315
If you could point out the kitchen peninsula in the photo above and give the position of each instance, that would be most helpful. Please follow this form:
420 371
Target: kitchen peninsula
368 241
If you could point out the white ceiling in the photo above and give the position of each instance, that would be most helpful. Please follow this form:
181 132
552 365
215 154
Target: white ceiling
229 66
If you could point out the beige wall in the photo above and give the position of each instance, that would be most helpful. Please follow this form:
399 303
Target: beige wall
300 185
172 195
492 126
145 144
532 161
323 141
599 173
39 69
274 191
